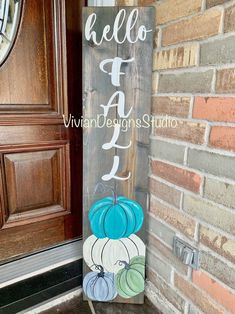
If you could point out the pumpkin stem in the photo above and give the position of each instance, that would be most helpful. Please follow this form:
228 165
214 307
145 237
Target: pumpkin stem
120 263
105 188
101 269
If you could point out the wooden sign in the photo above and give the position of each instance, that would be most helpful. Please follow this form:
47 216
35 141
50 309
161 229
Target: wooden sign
117 86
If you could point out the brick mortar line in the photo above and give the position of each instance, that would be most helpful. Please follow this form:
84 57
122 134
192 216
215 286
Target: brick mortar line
226 287
197 234
196 69
187 215
203 6
220 152
203 223
187 17
202 187
164 203
216 230
213 301
203 247
178 188
172 185
222 22
185 156
196 171
192 241
161 300
178 233
220 7
207 135
191 105
207 225
194 120
180 94
199 245
213 81
159 239
170 285
162 258
208 200
203 41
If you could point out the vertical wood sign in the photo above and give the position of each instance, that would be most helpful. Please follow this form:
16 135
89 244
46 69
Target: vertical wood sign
117 85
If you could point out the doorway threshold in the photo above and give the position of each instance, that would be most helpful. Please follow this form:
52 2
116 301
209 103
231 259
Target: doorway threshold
32 280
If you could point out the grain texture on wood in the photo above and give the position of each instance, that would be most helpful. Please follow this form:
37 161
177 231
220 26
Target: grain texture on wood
97 90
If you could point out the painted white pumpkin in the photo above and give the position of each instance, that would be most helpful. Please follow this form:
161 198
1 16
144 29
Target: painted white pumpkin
108 252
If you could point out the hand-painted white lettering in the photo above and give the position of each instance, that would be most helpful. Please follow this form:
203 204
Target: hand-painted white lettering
116 69
112 174
108 34
120 105
112 143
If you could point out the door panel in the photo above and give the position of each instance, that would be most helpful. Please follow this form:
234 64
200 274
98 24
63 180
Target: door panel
38 155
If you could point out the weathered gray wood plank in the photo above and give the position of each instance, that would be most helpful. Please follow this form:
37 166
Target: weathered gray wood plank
97 89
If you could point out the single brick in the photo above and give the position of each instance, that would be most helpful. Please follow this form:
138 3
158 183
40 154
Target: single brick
171 106
168 151
181 57
197 27
225 81
198 297
218 52
217 242
165 254
220 192
178 9
167 291
165 192
215 290
173 217
212 3
217 268
219 165
181 177
184 131
229 20
160 230
188 82
160 267
210 213
145 2
214 108
222 137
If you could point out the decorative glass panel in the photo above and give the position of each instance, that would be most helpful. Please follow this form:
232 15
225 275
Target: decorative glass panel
10 11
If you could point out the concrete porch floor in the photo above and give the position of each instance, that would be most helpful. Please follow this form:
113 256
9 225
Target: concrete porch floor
78 306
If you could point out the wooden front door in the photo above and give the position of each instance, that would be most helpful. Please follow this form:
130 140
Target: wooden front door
40 160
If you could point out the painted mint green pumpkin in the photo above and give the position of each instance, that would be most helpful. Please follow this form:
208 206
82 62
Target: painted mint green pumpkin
129 281
115 217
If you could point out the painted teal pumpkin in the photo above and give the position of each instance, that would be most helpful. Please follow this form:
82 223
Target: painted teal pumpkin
115 217
99 286
130 280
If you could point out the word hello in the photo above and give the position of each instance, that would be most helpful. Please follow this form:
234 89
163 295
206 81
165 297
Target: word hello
109 34
118 98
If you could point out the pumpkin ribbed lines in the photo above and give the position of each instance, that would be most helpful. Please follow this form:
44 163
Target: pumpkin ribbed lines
126 250
127 220
135 246
101 255
133 215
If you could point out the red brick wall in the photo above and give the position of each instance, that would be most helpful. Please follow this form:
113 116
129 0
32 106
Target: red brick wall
192 167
